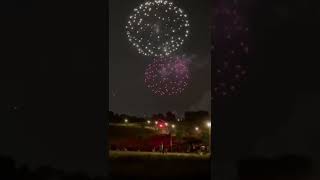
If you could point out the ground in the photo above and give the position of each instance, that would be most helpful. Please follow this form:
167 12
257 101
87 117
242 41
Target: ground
149 165
113 155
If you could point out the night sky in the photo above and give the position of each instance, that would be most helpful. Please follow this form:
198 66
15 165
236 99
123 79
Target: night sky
54 67
128 93
231 49
275 110
55 79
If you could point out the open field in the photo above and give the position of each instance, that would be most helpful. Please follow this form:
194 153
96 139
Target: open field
152 165
149 165
156 156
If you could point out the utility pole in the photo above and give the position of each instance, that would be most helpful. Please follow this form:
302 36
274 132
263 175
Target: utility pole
210 140
170 142
209 127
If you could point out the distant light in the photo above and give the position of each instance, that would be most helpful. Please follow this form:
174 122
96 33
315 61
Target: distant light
148 122
209 124
196 128
126 120
161 125
173 126
166 124
156 122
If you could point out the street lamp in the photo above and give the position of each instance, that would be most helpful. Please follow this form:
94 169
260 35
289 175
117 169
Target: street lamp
166 124
173 126
126 120
196 128
148 122
209 124
156 122
209 127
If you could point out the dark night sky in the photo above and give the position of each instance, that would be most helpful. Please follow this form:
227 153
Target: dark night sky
276 110
54 80
55 83
128 93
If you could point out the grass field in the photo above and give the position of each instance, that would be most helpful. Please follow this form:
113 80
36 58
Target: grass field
153 165
149 165
156 156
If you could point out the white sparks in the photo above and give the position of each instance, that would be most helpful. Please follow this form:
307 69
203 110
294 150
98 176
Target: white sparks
155 36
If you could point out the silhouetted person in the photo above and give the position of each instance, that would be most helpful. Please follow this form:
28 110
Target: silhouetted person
161 148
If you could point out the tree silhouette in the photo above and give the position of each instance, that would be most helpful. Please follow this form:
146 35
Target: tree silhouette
170 116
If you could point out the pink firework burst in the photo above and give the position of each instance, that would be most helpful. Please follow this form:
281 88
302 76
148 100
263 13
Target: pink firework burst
167 76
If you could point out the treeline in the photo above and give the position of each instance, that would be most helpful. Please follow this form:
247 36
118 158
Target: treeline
189 116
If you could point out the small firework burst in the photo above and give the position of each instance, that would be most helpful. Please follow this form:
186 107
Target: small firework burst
167 75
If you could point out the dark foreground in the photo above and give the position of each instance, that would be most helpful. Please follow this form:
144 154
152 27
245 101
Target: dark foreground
158 166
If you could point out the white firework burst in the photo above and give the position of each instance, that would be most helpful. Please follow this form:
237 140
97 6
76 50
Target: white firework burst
157 28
